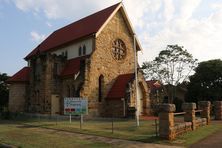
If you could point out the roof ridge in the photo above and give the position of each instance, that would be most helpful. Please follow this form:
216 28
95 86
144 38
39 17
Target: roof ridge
81 19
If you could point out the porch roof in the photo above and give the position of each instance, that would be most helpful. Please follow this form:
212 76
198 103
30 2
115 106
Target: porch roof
118 89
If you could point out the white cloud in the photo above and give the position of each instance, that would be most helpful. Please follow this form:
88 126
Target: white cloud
35 36
188 7
48 24
138 9
216 6
69 9
168 10
201 36
56 9
158 22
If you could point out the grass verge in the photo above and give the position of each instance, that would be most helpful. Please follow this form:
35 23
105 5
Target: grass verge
10 134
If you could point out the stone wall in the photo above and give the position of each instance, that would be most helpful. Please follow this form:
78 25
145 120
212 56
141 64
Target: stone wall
70 88
218 110
205 106
17 95
102 63
190 115
168 129
44 81
166 121
115 108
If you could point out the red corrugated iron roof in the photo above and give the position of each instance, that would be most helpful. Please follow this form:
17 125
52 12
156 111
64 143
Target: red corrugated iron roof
21 76
72 66
118 89
154 85
82 28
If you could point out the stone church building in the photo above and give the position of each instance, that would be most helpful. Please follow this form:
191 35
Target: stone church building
92 58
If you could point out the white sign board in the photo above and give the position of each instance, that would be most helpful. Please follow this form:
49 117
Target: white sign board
75 106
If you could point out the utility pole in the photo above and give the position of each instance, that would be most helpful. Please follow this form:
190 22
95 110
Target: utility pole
136 81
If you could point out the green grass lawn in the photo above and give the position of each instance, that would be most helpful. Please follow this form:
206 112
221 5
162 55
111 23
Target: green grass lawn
126 129
194 136
22 136
188 138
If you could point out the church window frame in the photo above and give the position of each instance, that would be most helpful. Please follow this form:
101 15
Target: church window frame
84 50
66 54
68 91
73 91
80 50
100 88
119 49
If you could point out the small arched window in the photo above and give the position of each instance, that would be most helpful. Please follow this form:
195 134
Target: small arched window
101 81
80 50
84 50
73 91
37 97
68 91
66 54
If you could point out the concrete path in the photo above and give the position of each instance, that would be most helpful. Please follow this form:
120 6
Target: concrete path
112 141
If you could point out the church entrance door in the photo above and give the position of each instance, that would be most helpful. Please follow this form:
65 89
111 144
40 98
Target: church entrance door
55 106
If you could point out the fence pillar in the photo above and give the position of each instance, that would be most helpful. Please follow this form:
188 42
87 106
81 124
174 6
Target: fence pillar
205 107
189 116
218 110
166 121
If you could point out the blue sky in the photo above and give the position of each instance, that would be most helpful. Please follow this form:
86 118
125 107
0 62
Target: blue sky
194 24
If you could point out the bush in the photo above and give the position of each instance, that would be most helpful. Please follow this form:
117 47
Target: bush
178 103
4 113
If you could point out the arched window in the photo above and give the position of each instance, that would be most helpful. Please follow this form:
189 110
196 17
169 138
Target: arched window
73 91
68 91
80 50
101 81
66 54
37 96
84 50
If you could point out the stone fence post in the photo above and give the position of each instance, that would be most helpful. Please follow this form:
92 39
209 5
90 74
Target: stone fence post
205 107
166 121
189 116
218 110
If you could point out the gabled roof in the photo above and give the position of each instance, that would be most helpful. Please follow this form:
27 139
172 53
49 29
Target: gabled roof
82 28
72 66
20 77
118 89
90 25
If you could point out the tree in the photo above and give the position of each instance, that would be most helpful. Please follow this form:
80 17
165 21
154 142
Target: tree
206 83
171 67
4 91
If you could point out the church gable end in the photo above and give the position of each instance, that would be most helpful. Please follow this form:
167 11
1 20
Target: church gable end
103 62
83 59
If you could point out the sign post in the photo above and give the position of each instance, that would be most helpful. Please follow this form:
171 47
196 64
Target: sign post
75 106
